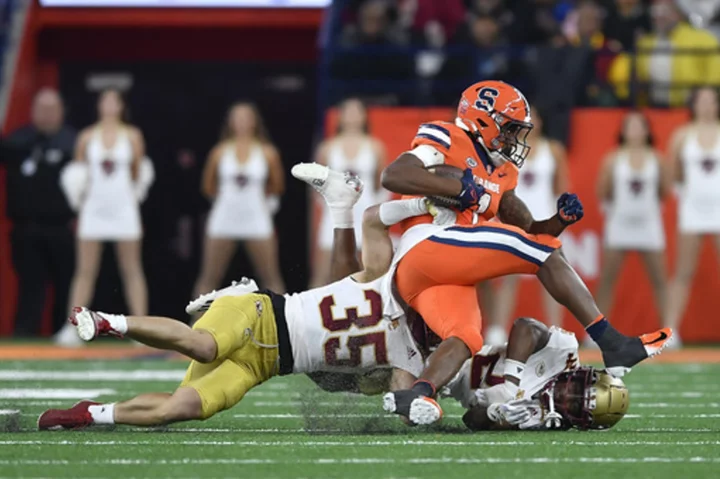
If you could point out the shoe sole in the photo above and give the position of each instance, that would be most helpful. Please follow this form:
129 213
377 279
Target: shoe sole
425 411
311 173
86 327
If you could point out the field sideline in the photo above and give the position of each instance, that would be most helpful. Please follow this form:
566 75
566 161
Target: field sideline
286 428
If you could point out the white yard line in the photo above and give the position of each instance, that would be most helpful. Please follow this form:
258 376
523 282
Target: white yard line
405 442
108 375
452 416
359 461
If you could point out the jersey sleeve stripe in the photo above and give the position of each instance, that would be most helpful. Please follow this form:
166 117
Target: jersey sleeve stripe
439 128
436 131
433 138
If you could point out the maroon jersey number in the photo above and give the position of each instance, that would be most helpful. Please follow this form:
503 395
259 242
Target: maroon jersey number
482 369
355 343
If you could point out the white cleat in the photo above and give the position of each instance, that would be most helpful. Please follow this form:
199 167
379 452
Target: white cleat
91 324
237 288
423 410
340 190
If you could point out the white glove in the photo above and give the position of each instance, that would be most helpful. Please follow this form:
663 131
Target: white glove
441 216
513 414
496 394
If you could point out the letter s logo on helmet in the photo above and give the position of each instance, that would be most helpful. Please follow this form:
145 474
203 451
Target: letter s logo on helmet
498 116
486 99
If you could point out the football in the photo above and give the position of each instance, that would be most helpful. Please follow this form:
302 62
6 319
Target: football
447 171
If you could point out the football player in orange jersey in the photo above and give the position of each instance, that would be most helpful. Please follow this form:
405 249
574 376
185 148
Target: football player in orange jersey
438 274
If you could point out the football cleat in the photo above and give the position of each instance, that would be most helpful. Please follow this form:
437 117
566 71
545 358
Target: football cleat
419 410
237 288
77 417
619 361
91 324
341 190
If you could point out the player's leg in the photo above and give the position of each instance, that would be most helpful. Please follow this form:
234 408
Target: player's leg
264 256
620 352
612 262
86 270
217 254
553 309
657 272
688 250
129 258
498 319
452 312
158 332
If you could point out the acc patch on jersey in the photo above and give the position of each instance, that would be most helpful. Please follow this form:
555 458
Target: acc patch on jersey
540 369
470 161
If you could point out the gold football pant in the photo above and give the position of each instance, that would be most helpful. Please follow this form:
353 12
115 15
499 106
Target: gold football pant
245 332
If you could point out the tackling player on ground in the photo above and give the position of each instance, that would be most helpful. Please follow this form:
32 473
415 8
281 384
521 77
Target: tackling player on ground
247 336
438 271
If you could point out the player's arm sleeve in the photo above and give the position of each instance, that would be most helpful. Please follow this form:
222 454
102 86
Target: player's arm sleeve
434 135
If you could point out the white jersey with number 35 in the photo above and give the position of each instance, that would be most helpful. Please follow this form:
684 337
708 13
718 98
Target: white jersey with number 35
486 368
341 328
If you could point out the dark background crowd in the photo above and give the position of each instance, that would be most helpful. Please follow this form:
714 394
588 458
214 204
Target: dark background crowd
561 53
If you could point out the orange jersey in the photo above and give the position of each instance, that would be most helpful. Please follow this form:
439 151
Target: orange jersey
462 151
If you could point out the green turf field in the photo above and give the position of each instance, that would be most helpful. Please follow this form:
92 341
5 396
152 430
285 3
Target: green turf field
285 428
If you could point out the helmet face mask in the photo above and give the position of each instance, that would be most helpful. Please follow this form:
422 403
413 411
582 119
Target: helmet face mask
513 138
586 398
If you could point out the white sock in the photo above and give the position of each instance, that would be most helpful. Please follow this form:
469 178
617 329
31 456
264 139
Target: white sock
395 211
117 321
342 217
103 413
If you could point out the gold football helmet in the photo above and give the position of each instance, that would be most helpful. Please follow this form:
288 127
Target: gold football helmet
585 398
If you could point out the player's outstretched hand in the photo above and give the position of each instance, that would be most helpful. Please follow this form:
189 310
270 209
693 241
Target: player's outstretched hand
471 194
511 413
570 209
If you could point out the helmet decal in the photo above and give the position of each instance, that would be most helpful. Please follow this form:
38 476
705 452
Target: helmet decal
486 99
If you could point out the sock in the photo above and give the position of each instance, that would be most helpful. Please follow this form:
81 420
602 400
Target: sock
597 328
117 321
342 217
424 388
103 413
395 211
514 369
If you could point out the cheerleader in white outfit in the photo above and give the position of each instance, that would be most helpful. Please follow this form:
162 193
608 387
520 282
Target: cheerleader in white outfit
695 156
542 179
245 179
109 212
351 149
632 184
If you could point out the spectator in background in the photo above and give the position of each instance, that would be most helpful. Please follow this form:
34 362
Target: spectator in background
489 59
632 185
42 235
626 21
497 9
352 149
535 23
112 151
373 27
583 29
245 179
543 178
432 23
695 157
674 53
